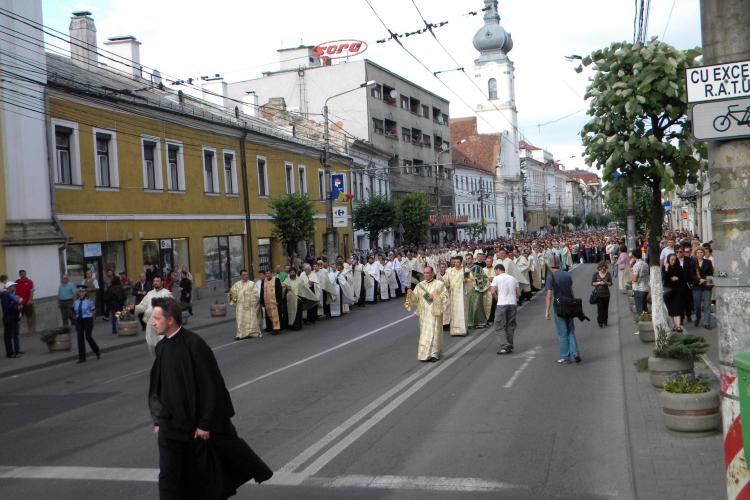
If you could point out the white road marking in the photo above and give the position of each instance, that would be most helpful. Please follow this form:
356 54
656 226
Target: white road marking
145 475
322 353
529 355
368 424
127 375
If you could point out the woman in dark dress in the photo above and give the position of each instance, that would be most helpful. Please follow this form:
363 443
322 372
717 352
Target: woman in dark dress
114 298
673 280
601 281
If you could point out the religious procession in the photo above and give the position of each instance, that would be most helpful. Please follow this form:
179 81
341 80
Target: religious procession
454 288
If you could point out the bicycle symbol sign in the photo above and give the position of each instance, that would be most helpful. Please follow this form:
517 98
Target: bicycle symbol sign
713 121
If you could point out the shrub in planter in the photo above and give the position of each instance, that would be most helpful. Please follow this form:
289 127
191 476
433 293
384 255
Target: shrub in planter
646 328
674 355
57 339
689 404
127 323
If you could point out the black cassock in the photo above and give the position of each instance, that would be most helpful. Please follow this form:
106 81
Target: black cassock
187 391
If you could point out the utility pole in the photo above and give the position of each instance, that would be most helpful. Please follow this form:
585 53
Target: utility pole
724 32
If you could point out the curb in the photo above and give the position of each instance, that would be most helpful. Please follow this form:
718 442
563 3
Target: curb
69 358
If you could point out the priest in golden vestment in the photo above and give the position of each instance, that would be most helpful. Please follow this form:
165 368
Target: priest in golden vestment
428 300
244 295
456 279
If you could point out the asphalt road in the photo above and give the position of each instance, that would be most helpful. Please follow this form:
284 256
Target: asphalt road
344 410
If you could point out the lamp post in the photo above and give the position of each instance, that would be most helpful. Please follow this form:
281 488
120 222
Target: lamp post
444 148
331 234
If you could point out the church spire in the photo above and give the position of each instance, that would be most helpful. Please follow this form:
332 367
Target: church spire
492 41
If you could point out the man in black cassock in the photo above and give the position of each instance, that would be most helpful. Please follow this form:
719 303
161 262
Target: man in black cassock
200 454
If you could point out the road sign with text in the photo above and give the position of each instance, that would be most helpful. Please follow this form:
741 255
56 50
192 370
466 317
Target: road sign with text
717 82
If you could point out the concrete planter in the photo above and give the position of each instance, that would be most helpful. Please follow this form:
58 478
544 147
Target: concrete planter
691 412
219 309
661 369
646 331
61 342
128 328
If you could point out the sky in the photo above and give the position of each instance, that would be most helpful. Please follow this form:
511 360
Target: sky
238 39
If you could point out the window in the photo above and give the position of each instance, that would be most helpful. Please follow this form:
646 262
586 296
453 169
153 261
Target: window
391 129
404 102
425 111
407 166
414 105
405 134
438 143
492 89
377 126
230 173
361 187
67 153
262 176
302 179
210 173
436 115
289 177
427 140
175 167
106 159
446 120
151 164
377 92
389 95
416 136
62 144
322 185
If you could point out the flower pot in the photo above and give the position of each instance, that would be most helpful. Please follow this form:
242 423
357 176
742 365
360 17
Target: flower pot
660 369
219 309
61 342
691 412
646 331
128 328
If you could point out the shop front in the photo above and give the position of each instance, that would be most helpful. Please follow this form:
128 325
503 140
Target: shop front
223 259
164 255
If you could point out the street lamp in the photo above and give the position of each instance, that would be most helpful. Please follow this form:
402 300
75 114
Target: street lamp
331 234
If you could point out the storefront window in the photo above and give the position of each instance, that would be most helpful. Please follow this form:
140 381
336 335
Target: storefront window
75 267
114 256
211 261
98 257
264 254
181 257
151 264
236 256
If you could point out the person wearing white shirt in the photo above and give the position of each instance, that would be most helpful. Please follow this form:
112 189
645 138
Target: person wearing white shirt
507 290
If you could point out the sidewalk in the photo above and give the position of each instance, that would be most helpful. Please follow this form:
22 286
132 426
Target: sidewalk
37 355
666 464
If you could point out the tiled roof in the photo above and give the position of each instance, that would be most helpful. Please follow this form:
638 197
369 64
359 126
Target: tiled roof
584 175
480 151
528 146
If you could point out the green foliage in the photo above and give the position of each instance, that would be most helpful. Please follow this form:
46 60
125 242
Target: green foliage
375 215
293 220
475 230
639 131
645 316
553 221
686 384
413 212
49 336
602 220
616 201
680 346
641 365
590 220
577 221
567 220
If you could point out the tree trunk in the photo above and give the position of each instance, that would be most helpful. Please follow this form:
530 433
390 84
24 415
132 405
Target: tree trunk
658 309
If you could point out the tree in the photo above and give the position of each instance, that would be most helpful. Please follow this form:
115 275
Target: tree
413 213
293 220
474 230
577 221
553 221
567 220
616 201
639 132
375 215
590 220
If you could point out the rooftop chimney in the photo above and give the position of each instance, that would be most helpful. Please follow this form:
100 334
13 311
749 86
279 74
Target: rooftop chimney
127 54
83 40
215 91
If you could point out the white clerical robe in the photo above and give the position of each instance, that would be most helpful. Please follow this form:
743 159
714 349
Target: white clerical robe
522 263
430 312
391 276
535 265
454 280
328 289
145 308
311 281
244 296
371 277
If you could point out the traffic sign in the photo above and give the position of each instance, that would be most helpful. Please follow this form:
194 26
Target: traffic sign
721 120
719 81
340 217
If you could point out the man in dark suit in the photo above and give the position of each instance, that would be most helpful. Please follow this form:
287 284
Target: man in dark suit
190 405
140 289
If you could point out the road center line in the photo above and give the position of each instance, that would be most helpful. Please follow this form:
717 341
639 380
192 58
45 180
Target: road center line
321 353
368 424
529 355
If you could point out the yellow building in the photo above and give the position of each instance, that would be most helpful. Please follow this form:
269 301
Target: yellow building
149 180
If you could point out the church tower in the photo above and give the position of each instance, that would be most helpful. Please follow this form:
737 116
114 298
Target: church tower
497 114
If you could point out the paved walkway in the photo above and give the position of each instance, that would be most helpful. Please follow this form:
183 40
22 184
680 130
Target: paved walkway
666 465
37 355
